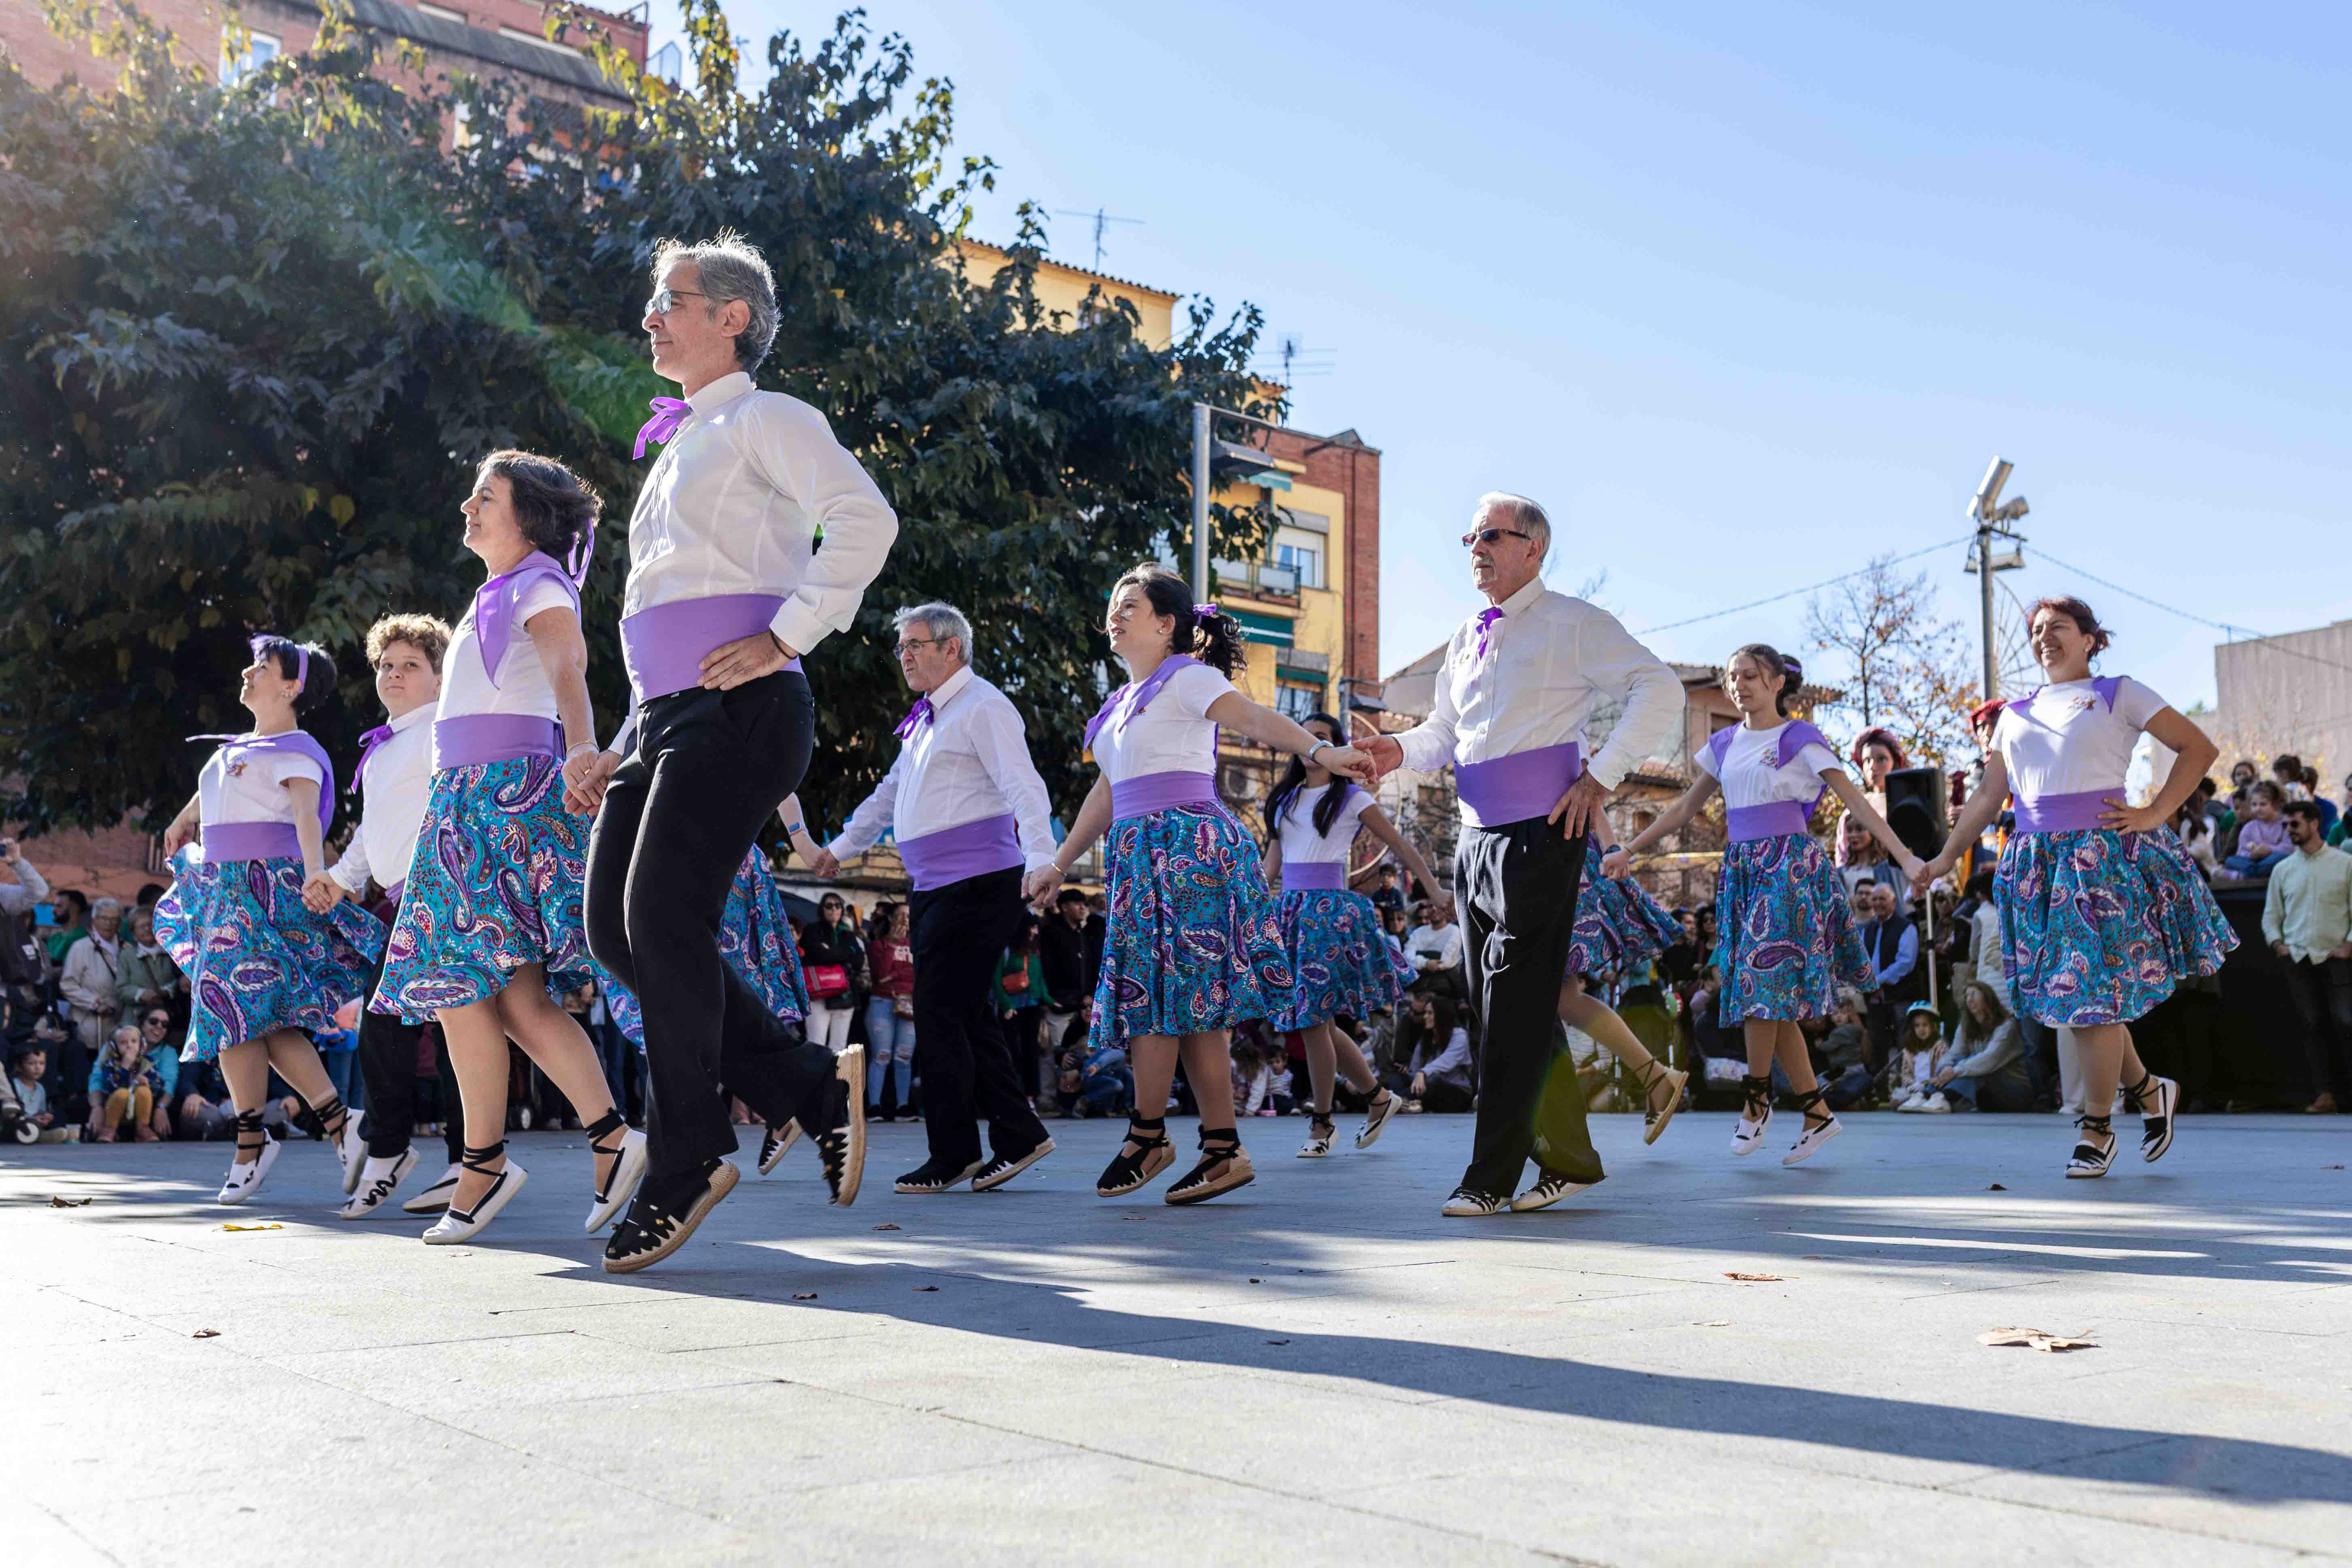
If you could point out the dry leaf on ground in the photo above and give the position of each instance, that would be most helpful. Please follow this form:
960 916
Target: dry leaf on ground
57 1203
886 1225
803 1295
2034 1339
205 1334
926 1287
1755 1279
271 1226
1996 1187
1713 1324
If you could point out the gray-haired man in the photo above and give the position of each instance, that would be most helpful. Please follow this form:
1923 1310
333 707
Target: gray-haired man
970 812
728 587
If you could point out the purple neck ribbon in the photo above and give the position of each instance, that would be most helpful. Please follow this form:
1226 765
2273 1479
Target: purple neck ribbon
669 413
368 743
917 716
302 745
1486 618
495 602
1144 692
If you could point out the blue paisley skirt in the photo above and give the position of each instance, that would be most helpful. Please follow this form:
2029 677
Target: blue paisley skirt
1617 924
755 937
1785 941
256 957
496 883
1339 959
1193 940
2098 927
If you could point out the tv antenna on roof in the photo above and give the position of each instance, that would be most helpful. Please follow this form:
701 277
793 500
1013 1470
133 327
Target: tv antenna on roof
1295 359
1102 221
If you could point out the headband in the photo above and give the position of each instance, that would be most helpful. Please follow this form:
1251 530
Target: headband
262 642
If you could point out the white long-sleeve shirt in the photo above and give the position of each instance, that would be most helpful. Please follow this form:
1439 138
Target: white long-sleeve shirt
969 763
1548 657
394 788
29 888
735 504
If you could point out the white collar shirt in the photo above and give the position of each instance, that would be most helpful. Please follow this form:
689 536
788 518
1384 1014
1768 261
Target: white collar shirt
969 763
394 787
1548 658
738 503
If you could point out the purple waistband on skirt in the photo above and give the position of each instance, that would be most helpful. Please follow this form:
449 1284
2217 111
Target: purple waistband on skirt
967 849
1519 786
1314 876
664 645
2065 812
251 841
1770 820
493 737
1142 795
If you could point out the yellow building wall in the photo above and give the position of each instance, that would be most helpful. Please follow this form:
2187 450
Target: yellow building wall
1065 288
1318 620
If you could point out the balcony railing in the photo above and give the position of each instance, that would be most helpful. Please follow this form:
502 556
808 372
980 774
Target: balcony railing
1256 577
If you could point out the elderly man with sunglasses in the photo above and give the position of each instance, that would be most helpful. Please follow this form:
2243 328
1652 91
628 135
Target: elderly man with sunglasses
754 537
1520 679
974 826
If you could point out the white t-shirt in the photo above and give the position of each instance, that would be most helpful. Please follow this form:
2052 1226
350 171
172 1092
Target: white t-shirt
2069 739
523 686
256 790
1301 843
1174 735
1751 772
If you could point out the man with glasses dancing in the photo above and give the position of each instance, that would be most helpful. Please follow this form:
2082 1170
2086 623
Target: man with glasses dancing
1520 679
754 537
971 815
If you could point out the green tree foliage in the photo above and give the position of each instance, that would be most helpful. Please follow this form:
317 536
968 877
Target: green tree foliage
253 337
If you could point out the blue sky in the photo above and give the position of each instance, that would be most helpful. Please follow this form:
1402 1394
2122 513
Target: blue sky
1744 293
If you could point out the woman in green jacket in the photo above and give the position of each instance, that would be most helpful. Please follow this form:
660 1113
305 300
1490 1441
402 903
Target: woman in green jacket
1020 993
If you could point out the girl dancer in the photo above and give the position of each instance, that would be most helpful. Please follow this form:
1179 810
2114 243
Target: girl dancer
2101 914
262 967
490 920
1617 924
1194 943
755 937
1785 939
1331 936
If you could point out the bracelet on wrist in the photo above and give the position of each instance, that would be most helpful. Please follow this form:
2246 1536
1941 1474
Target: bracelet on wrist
583 746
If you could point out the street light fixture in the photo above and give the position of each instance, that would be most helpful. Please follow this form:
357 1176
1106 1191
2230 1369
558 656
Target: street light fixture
1992 517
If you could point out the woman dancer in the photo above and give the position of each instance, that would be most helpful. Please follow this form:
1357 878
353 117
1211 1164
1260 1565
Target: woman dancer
489 926
755 937
1331 936
1194 943
1618 925
1785 940
2101 914
262 968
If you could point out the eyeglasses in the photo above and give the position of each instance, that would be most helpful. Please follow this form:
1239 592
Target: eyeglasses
1488 535
665 300
159 1022
906 643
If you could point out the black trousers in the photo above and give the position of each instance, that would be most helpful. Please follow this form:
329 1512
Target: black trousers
1514 887
388 1067
957 934
2322 994
677 819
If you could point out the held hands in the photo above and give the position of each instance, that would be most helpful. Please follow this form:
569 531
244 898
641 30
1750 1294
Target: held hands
822 862
321 892
1040 885
2131 818
1921 874
1577 809
1616 863
1386 752
1349 763
585 776
730 664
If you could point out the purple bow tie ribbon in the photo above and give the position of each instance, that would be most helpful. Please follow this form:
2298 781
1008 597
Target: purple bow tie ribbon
368 743
1487 617
919 714
669 413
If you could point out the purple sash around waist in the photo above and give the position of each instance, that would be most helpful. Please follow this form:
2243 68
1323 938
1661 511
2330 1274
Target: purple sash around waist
2065 812
1147 792
1316 876
967 849
251 841
1519 786
1771 820
493 737
664 645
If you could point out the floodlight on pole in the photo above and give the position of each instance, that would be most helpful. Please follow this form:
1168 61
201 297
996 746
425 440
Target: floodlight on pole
1992 516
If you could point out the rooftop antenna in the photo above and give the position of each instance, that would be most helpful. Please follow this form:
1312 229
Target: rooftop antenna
1298 360
1102 221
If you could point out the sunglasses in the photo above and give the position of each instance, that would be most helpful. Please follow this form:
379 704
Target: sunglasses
665 300
1488 535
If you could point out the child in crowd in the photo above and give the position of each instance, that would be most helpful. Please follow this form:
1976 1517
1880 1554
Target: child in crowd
26 1069
1911 1075
1253 1078
128 1088
1846 1078
2262 842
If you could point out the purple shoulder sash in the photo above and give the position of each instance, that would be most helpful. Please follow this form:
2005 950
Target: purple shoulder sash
1143 692
302 745
495 602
